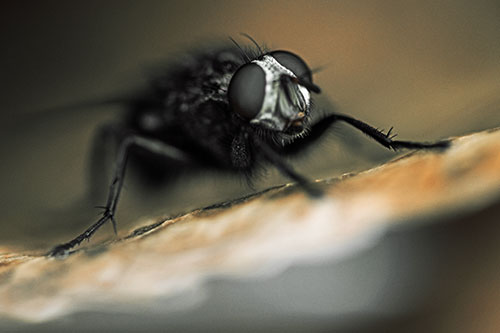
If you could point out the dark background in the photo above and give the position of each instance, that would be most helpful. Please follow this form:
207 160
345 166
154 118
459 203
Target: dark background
429 68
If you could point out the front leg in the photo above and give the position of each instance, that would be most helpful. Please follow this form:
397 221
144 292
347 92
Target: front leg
148 144
385 139
318 129
275 159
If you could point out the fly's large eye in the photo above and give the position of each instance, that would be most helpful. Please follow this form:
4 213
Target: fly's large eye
294 63
246 90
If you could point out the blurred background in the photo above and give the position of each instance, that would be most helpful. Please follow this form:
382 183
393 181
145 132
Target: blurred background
431 69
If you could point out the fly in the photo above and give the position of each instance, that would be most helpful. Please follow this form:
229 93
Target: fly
230 109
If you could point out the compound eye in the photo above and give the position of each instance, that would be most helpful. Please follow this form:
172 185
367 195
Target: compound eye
294 63
246 90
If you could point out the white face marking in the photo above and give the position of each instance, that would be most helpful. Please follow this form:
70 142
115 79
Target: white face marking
269 115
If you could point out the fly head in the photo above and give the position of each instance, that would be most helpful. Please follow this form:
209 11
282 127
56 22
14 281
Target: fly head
273 92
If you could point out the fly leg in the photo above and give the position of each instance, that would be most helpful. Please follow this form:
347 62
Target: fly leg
385 139
318 129
277 160
129 141
104 151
